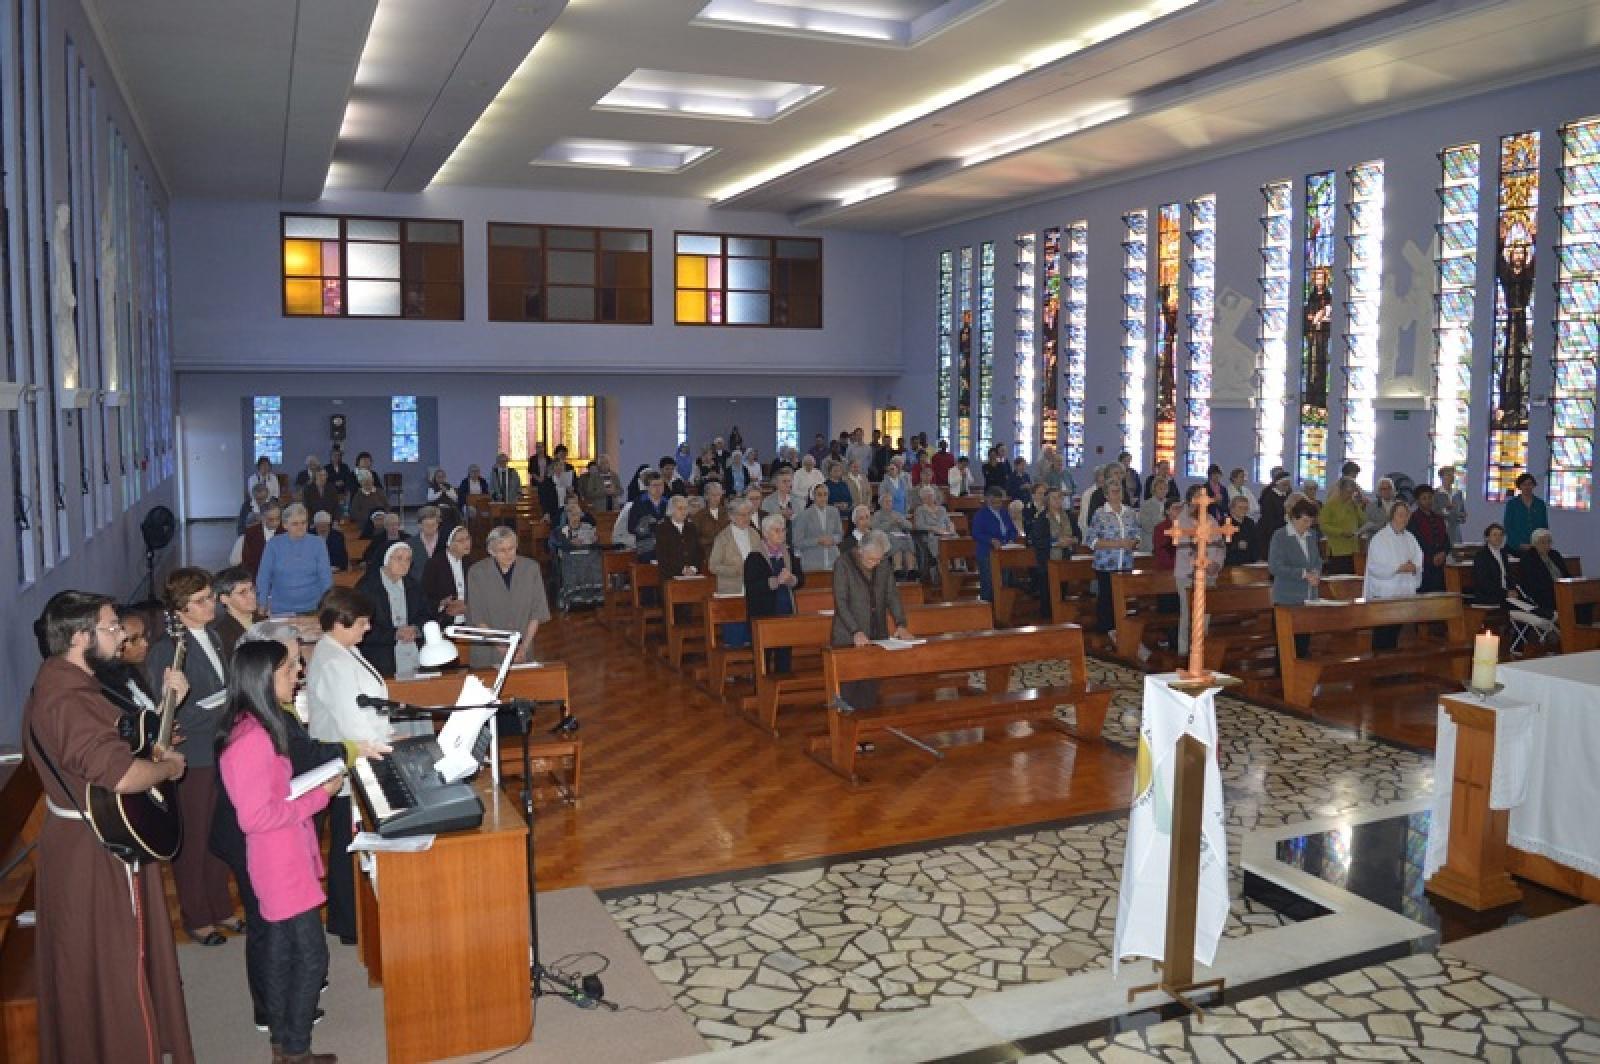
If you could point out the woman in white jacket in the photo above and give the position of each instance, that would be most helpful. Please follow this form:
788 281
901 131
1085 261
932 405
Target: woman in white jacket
1394 568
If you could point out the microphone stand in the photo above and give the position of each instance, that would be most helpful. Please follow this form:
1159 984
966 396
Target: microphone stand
524 708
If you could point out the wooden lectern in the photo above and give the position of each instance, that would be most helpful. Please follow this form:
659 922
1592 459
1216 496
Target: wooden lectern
445 934
1475 871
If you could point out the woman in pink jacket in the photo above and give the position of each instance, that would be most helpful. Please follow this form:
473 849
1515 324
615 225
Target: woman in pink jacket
280 843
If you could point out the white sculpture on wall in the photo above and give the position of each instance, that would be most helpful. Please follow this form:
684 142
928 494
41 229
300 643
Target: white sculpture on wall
63 301
1233 359
109 356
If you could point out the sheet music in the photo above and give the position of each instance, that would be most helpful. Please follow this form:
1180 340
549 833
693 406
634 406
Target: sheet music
461 730
897 644
372 842
314 777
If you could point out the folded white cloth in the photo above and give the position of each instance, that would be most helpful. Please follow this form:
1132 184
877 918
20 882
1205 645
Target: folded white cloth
1513 756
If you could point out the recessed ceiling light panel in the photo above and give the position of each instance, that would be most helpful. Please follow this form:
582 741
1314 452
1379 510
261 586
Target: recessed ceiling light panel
892 23
704 96
637 156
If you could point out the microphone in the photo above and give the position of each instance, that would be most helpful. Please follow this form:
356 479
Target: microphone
374 702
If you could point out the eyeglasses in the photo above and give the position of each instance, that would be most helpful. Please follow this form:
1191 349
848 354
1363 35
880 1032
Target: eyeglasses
111 629
138 637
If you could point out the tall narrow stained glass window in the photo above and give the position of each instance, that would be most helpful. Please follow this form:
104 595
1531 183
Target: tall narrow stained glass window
1050 409
1516 247
1572 399
1025 386
1135 255
683 420
1169 303
554 420
267 428
986 347
964 360
405 441
1272 343
1316 310
947 348
1456 285
1074 330
788 421
1201 321
1364 276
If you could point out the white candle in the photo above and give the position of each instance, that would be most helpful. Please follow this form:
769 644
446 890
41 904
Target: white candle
1485 658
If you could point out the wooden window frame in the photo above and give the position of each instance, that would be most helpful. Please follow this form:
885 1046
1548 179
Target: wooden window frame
772 260
403 280
544 285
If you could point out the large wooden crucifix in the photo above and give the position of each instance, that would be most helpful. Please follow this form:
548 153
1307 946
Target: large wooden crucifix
1203 534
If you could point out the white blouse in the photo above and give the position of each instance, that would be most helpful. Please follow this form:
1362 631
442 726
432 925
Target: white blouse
1385 554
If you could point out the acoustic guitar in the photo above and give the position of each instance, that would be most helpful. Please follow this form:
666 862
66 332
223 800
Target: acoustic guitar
146 826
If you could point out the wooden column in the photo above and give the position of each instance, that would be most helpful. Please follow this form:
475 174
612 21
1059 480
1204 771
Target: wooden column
1475 873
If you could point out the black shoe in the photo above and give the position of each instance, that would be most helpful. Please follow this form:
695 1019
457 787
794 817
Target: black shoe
348 940
210 938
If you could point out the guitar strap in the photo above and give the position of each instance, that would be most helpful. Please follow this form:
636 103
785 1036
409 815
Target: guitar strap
121 853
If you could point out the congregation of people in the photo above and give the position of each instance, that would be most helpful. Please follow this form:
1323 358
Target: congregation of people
261 697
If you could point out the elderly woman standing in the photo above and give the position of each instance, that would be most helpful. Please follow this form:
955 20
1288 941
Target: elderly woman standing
817 531
771 573
337 676
320 493
444 578
366 498
898 483
1153 510
866 607
728 552
1394 568
399 612
1295 563
1113 535
1341 521
505 591
930 522
428 541
678 542
889 520
295 570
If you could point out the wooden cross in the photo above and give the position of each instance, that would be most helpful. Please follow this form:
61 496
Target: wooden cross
1204 532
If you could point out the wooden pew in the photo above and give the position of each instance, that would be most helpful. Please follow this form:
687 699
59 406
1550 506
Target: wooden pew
1135 605
1301 675
993 652
616 570
958 568
545 682
644 575
729 609
20 804
805 635
1023 563
1341 587
1571 593
1248 573
605 524
683 601
1068 606
1241 625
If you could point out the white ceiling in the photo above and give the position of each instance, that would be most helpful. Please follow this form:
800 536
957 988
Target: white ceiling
246 98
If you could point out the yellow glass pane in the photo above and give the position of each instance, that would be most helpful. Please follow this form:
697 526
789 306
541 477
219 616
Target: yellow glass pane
302 258
691 308
691 271
302 297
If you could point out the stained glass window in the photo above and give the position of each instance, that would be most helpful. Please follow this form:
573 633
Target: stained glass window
1169 303
986 347
554 420
1135 255
1025 387
1572 398
404 445
788 421
1456 285
1516 247
1050 342
339 266
723 279
1272 345
1316 310
1201 321
947 349
683 420
267 428
1364 276
964 365
1074 326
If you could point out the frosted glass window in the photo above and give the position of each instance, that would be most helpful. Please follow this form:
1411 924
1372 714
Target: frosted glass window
372 229
374 299
515 236
374 260
571 304
571 267
624 240
311 227
690 244
433 232
582 239
749 308
749 246
749 274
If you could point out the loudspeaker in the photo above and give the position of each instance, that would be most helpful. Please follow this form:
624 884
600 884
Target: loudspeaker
158 528
336 428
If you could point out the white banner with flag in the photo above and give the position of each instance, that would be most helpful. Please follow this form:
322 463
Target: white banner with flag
1142 905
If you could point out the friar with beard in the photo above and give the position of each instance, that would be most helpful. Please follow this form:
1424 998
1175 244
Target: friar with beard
107 968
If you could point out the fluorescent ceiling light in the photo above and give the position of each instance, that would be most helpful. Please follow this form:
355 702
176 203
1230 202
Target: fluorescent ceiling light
899 23
637 156
705 96
1098 34
1043 134
869 191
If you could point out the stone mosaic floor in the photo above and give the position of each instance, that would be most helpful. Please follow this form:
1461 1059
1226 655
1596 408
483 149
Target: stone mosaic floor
770 956
1421 1008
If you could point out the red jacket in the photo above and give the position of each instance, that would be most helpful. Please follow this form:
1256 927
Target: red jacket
942 462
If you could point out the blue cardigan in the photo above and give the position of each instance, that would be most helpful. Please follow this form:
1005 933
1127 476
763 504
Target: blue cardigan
294 574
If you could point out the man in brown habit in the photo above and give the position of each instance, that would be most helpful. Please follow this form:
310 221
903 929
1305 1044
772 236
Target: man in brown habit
109 988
